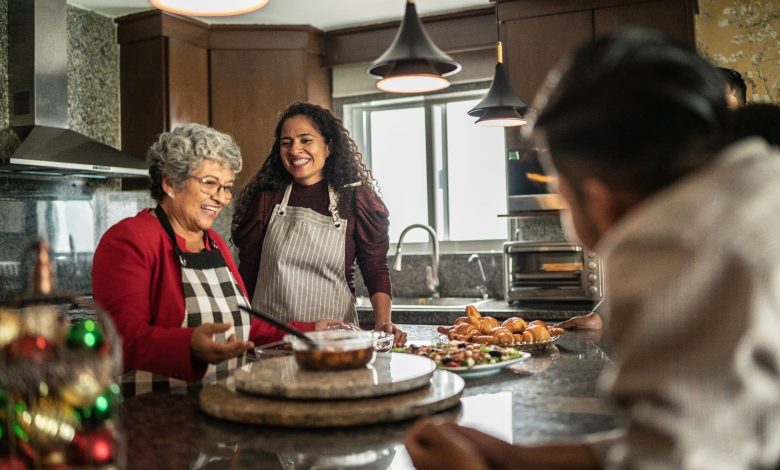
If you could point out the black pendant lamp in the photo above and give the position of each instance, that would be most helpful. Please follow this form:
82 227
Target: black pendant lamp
501 107
413 63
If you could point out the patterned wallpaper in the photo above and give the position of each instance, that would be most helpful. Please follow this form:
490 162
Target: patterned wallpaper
743 35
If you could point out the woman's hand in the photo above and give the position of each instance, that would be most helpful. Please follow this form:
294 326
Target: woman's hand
328 324
205 348
591 321
389 327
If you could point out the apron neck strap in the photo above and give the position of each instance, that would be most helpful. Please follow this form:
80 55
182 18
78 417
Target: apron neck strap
166 223
333 203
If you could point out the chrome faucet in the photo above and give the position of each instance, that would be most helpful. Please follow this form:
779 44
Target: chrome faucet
432 271
482 288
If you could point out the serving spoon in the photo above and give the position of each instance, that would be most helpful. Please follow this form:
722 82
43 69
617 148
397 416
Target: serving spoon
282 326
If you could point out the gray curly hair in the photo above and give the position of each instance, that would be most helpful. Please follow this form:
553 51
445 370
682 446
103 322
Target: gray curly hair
178 153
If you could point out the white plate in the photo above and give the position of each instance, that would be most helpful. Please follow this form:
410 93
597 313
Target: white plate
483 370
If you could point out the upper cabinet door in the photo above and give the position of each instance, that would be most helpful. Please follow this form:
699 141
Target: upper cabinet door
673 17
533 46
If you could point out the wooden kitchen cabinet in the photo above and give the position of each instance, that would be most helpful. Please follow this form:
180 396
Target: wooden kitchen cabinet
539 33
235 78
163 61
256 72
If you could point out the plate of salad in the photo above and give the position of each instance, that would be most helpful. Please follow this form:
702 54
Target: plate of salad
468 360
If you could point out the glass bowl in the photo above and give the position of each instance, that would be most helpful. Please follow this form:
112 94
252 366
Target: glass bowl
336 349
383 342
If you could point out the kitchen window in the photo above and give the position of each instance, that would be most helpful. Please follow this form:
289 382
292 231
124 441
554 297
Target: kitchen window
435 166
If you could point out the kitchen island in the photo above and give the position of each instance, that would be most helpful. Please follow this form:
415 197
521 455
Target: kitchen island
550 396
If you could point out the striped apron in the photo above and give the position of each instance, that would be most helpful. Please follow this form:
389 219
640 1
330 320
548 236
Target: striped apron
211 295
301 275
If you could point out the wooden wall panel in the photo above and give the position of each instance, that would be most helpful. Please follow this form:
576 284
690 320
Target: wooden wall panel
674 17
142 87
319 83
188 87
248 89
533 46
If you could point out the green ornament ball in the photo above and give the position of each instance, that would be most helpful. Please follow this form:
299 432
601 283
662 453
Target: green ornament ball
86 334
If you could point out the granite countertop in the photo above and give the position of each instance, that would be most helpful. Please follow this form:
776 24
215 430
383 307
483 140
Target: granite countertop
551 396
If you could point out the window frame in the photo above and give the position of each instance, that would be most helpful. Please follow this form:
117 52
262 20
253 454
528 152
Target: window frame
359 109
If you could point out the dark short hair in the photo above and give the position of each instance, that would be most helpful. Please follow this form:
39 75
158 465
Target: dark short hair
736 83
758 119
634 109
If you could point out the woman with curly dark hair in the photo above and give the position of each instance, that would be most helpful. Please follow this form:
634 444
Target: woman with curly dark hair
304 219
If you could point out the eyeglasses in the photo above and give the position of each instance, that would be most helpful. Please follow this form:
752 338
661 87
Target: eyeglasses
211 186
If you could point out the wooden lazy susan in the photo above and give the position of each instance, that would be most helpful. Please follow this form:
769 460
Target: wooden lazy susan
275 392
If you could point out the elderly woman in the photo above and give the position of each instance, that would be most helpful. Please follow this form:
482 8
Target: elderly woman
168 279
304 219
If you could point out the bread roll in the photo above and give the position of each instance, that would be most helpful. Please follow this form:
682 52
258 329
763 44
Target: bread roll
485 325
503 335
485 339
514 324
472 311
539 333
528 337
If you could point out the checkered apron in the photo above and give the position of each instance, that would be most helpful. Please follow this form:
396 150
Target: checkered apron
211 295
301 275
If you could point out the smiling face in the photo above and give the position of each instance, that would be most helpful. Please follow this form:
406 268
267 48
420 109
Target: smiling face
303 150
192 209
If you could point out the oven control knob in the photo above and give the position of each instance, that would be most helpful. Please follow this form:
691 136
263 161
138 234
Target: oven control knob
592 265
592 277
593 289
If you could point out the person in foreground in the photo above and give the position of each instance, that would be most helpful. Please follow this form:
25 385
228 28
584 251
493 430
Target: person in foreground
168 280
305 218
687 227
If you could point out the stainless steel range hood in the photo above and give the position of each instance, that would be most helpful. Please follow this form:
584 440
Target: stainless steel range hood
39 140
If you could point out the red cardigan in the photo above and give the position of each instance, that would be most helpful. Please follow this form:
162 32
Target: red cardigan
136 278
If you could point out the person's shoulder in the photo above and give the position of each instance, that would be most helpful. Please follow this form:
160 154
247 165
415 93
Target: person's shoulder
143 227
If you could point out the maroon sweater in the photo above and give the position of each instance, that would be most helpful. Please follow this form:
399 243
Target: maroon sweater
367 238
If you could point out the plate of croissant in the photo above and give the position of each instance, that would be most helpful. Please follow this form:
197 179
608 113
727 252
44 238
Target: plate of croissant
515 332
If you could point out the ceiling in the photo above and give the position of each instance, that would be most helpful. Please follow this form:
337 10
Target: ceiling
322 14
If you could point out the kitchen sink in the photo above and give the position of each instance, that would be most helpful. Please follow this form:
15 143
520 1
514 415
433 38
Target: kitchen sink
428 303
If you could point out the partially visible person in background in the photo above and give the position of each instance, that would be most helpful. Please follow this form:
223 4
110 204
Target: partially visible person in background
758 119
306 217
636 127
736 90
168 280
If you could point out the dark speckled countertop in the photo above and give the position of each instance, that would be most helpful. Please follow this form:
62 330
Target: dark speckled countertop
552 396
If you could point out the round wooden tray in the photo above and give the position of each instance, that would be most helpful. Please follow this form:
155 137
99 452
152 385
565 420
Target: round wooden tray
444 392
281 377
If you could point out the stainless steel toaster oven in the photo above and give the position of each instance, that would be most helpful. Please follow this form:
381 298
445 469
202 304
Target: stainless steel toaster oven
558 271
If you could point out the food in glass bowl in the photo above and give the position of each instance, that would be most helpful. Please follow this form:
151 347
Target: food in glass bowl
335 350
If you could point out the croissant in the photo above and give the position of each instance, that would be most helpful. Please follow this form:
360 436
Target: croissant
485 339
518 337
528 337
555 331
503 335
472 311
445 329
485 325
467 330
537 322
471 320
539 332
514 324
